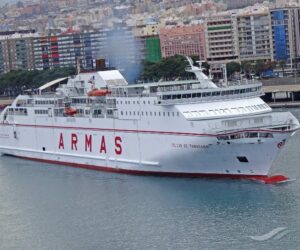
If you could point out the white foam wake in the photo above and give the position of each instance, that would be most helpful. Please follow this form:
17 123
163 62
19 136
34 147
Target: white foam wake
271 234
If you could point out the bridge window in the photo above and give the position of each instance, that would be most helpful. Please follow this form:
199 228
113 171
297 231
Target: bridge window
265 135
242 159
216 93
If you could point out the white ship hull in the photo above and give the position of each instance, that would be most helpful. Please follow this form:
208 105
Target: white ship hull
141 151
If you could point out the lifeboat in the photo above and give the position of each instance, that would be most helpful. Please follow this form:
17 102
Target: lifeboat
99 92
70 111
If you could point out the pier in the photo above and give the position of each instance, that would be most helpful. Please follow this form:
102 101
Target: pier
6 100
282 95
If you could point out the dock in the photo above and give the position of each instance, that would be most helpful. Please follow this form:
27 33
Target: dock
6 101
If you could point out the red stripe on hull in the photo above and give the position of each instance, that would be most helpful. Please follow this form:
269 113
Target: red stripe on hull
150 131
154 173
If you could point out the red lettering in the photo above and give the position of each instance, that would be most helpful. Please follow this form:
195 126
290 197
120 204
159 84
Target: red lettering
74 141
118 145
88 142
103 145
61 142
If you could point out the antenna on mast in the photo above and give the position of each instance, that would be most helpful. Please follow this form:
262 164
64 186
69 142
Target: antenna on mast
204 80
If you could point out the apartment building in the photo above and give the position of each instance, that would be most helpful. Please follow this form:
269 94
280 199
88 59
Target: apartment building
184 40
16 50
221 41
285 25
66 49
254 33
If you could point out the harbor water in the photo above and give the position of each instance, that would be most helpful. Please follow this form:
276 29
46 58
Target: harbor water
44 206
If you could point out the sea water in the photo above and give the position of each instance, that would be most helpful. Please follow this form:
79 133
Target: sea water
44 206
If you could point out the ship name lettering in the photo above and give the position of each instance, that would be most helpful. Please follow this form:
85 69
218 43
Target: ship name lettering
74 141
118 149
186 146
103 145
88 143
61 142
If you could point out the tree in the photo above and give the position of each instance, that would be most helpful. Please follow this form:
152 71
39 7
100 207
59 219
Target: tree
247 67
233 67
270 65
282 65
259 67
170 67
206 67
15 81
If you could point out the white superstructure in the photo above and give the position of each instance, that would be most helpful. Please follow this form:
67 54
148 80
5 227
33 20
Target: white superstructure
192 127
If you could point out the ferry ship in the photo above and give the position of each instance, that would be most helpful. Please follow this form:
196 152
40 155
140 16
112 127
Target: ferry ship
178 128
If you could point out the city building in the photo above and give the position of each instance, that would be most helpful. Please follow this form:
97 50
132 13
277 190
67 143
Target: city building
285 23
153 52
221 41
254 32
66 49
16 50
236 4
183 40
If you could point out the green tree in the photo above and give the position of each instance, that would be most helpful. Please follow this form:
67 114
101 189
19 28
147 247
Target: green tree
282 65
23 79
171 67
259 67
247 67
233 67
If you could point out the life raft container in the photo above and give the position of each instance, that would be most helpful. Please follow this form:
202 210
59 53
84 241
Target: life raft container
70 111
99 92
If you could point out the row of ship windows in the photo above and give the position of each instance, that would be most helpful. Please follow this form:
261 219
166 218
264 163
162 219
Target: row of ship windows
244 135
45 102
209 94
142 113
41 112
226 110
17 111
134 102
